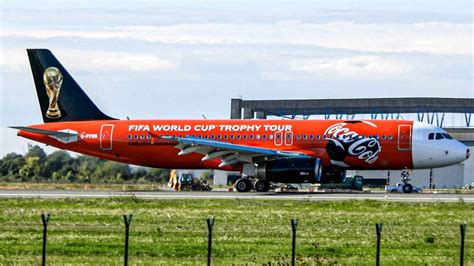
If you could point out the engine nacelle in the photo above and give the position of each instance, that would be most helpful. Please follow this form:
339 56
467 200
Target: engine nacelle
290 170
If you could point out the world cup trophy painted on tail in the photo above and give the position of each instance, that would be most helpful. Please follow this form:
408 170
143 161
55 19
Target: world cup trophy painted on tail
53 79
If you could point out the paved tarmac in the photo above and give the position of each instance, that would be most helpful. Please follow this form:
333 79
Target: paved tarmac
235 195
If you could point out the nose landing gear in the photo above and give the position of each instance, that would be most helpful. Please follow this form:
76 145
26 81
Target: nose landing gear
407 187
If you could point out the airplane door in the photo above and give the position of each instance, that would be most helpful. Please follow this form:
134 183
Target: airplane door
288 138
106 132
278 138
404 137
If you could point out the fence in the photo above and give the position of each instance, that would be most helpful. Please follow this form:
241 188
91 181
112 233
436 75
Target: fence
210 226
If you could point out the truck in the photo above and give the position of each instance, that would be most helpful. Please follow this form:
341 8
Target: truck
355 182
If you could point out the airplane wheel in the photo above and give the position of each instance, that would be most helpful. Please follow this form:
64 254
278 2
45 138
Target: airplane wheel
407 188
262 186
243 185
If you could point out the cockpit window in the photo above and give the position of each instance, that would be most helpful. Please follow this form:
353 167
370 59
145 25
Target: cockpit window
447 136
431 136
439 136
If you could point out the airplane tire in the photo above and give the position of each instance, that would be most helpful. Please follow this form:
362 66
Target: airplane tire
262 186
407 188
243 185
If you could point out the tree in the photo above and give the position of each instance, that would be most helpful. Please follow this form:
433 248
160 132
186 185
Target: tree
36 151
31 170
10 166
59 163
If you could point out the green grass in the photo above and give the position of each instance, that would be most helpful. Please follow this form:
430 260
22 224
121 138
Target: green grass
91 231
83 186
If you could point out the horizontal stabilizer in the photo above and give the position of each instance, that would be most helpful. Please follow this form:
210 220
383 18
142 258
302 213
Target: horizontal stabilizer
64 136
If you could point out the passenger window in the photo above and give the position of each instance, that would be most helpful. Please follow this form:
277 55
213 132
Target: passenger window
136 136
200 136
244 136
384 137
318 136
257 136
148 136
431 136
212 136
225 136
305 136
270 136
219 136
231 136
180 136
264 136
298 136
251 136
311 136
439 136
390 137
206 136
129 136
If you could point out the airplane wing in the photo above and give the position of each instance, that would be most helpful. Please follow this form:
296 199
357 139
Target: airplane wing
65 136
228 152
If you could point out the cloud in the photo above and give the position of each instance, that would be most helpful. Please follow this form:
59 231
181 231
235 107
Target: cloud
352 67
109 61
429 37
16 61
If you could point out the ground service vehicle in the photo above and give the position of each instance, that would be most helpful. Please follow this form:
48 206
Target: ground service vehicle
403 188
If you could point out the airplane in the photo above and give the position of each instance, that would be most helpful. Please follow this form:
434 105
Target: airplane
264 151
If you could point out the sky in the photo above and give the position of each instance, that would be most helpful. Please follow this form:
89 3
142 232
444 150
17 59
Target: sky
182 59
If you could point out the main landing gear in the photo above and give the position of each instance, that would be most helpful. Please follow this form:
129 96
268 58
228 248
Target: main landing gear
261 185
245 185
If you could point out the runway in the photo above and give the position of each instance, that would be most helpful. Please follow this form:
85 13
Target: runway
235 195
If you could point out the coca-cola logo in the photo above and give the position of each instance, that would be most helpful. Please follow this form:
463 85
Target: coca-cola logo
344 142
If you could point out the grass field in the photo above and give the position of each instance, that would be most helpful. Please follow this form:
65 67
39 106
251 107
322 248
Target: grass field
91 231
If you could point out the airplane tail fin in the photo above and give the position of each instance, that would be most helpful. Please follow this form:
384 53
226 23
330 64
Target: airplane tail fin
61 98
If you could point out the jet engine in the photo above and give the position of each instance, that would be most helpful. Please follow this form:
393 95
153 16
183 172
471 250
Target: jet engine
290 170
298 170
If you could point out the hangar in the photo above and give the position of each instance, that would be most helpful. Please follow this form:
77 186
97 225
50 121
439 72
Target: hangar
424 109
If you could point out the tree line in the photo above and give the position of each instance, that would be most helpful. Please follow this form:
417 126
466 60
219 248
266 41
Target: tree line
60 166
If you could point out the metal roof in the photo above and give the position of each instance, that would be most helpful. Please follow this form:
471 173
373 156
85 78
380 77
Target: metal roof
356 106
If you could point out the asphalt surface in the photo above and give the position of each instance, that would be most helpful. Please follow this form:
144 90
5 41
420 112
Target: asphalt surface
235 195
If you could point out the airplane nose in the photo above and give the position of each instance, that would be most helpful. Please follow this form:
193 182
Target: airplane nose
468 153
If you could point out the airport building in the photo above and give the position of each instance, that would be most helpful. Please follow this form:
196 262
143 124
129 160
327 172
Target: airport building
452 114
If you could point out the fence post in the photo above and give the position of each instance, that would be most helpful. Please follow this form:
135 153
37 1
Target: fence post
294 224
127 219
463 234
210 225
378 228
45 220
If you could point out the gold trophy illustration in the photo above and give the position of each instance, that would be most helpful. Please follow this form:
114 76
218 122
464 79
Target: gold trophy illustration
53 79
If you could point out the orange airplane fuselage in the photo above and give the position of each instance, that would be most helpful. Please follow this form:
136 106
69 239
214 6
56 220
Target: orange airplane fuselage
140 142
